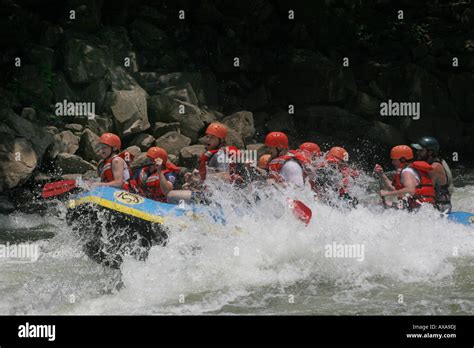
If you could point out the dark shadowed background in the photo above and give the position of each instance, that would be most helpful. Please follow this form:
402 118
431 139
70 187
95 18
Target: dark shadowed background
172 62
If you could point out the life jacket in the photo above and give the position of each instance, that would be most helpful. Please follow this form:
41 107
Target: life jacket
424 191
104 170
443 192
276 164
304 153
206 156
149 183
309 168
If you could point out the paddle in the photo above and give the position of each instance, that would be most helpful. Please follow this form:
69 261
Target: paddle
57 188
300 210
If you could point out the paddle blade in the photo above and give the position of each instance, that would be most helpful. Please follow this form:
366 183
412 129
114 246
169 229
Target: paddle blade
301 211
53 189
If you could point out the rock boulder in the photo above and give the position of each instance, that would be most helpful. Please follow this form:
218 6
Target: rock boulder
173 142
129 109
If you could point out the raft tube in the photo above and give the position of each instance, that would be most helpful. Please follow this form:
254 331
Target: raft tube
462 217
111 223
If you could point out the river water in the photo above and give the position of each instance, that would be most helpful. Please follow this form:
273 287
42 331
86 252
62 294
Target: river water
265 262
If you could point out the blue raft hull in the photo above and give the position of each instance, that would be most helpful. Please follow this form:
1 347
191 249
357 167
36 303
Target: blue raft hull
462 217
111 223
157 212
140 207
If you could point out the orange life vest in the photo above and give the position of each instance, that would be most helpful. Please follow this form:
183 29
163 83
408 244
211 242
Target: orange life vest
206 156
106 174
149 183
276 164
424 191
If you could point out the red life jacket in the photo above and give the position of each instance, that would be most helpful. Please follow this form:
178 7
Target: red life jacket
276 164
424 191
149 184
106 174
206 156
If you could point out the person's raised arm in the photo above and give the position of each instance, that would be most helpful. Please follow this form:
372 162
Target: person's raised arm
165 185
386 181
409 183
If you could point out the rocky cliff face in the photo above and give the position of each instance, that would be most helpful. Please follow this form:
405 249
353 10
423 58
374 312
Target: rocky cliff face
159 72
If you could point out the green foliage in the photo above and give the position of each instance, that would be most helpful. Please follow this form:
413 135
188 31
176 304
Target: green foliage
47 75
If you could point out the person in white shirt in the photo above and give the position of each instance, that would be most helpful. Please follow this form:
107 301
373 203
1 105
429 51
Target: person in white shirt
285 166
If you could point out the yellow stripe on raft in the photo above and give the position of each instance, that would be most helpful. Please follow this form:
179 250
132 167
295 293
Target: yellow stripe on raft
117 207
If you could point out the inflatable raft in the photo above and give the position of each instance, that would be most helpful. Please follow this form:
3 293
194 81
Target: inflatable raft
112 223
462 217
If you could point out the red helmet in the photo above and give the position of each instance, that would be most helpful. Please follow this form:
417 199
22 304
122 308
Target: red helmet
110 139
217 129
338 153
157 152
277 139
401 151
312 148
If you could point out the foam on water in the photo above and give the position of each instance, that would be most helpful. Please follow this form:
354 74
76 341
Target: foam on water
463 199
209 267
257 261
61 275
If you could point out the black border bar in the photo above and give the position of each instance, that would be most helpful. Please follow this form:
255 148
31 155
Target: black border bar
224 330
